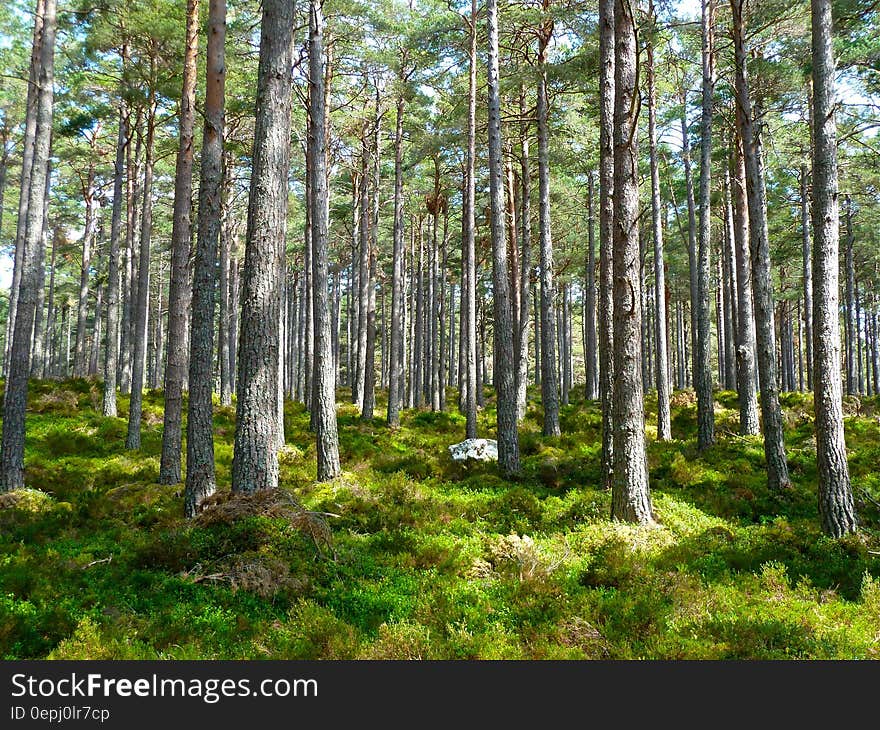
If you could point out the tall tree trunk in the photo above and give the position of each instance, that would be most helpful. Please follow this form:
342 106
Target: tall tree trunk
395 372
93 213
664 428
49 347
27 158
227 357
606 234
746 383
762 286
96 331
179 291
850 300
111 359
324 406
691 237
255 457
590 333
38 353
470 268
200 477
128 275
836 509
139 314
357 393
503 374
631 499
369 382
549 382
703 355
525 273
16 389
728 286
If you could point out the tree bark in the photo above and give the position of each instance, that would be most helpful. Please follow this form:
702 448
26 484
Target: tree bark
16 387
227 233
369 382
324 406
590 333
503 374
111 359
549 381
664 428
139 314
470 272
850 308
703 354
606 234
93 212
395 371
38 352
200 477
27 157
179 291
255 457
630 498
525 273
762 286
836 509
746 383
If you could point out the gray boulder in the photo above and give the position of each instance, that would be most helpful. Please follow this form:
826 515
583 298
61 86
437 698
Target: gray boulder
476 449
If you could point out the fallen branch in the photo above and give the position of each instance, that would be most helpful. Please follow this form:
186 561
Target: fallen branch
97 562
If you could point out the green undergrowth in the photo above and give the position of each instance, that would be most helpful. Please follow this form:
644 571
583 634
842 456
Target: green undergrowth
408 555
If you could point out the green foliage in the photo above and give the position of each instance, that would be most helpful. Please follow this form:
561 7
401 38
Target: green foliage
428 559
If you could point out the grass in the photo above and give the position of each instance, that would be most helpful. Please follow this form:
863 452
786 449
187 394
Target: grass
430 559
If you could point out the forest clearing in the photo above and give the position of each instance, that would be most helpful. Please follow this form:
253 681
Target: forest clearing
269 269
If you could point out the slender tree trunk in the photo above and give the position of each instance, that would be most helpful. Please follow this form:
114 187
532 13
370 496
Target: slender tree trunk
664 428
139 314
363 275
703 355
49 347
27 157
227 358
525 273
38 353
470 273
255 458
16 386
549 382
606 234
762 287
590 333
631 499
503 374
179 292
692 237
93 208
111 359
369 381
324 395
836 509
95 345
850 300
128 275
728 286
200 477
395 372
746 383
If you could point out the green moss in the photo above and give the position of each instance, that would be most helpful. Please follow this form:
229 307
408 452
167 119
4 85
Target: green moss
426 558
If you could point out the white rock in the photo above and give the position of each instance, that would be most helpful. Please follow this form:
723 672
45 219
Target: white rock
476 449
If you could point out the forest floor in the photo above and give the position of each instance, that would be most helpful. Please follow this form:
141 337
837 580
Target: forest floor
416 556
